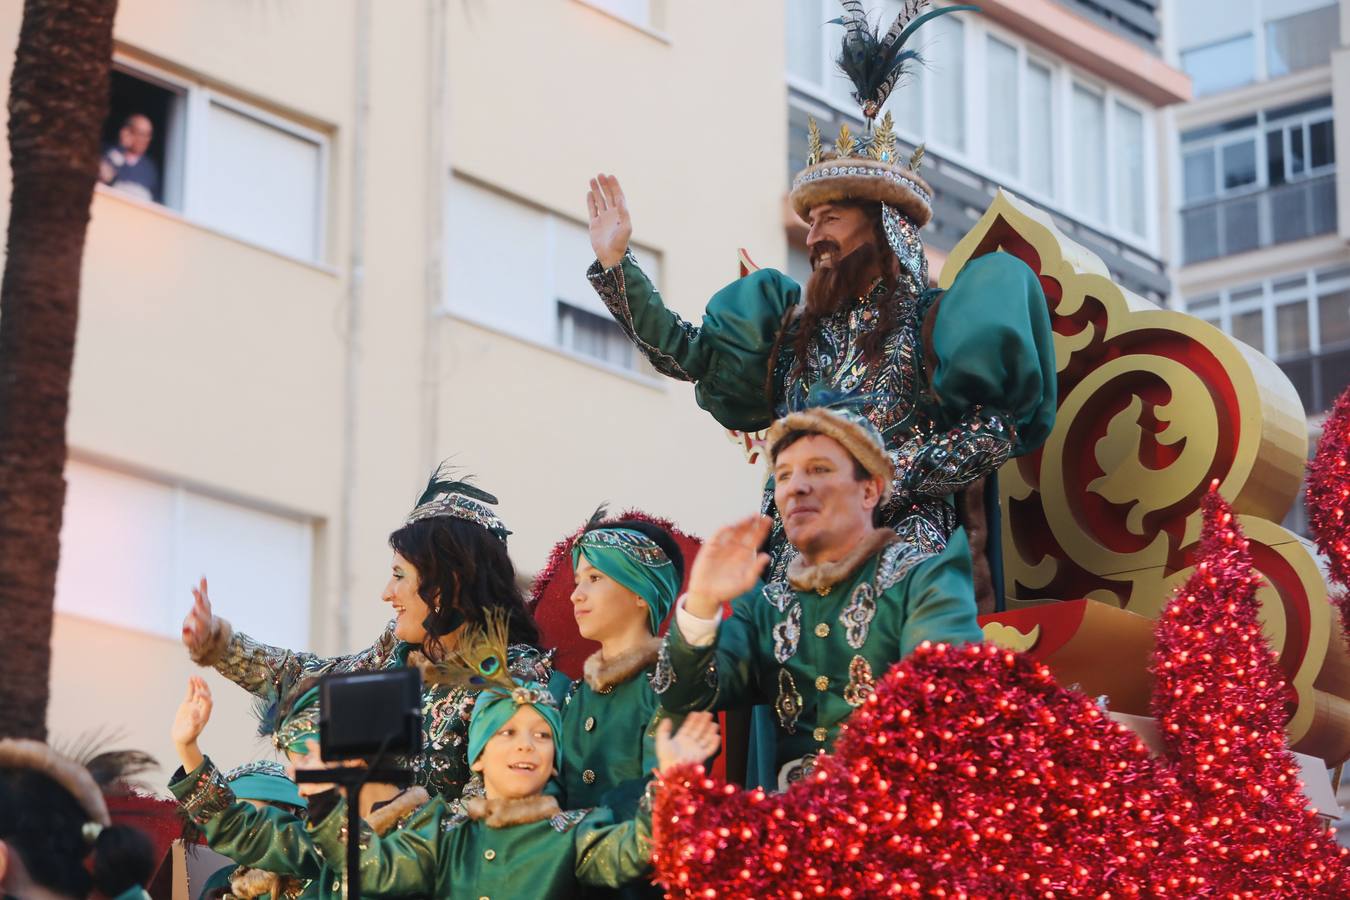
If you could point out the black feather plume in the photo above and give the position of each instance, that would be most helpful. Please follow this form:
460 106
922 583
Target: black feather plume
598 517
442 482
876 64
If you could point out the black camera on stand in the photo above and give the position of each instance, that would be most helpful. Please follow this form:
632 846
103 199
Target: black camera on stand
366 716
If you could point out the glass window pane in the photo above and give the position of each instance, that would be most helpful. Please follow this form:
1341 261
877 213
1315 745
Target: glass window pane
1300 373
1199 177
1249 327
1291 328
1297 159
906 104
1089 154
1040 162
948 81
1322 140
1002 90
1275 157
1131 194
805 32
1333 377
1219 67
1302 41
1203 306
261 183
1333 318
1239 164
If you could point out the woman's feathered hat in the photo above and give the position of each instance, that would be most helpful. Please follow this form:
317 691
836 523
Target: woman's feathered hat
867 167
448 496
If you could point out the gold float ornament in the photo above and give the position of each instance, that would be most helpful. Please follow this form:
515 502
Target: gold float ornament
1009 637
1153 405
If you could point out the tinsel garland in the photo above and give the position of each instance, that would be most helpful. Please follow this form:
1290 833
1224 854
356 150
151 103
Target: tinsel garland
1329 501
970 773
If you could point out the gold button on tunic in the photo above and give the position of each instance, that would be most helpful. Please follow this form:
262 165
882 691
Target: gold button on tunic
590 723
588 776
489 854
820 734
823 630
822 682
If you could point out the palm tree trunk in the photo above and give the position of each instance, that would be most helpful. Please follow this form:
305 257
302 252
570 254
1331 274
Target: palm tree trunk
58 101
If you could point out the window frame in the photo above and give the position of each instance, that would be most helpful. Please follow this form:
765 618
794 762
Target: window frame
197 98
1256 132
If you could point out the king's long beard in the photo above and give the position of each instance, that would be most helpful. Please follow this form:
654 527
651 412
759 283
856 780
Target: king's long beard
829 287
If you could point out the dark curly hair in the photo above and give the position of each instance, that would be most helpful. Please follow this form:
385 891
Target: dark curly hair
43 824
463 570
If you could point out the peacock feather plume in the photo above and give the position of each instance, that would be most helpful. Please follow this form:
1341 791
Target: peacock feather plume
876 63
478 661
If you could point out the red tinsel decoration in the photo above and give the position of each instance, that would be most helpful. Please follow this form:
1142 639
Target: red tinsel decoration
1329 500
970 773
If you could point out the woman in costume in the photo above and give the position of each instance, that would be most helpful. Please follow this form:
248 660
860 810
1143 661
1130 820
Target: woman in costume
56 837
450 569
269 842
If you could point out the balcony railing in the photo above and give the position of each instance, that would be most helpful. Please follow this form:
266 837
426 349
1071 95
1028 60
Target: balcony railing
1278 215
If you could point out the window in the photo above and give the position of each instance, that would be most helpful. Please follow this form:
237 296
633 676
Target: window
261 182
947 82
599 337
548 301
1089 156
1219 42
642 13
1301 321
1257 181
1002 94
1301 41
1040 130
806 41
1131 210
132 547
249 173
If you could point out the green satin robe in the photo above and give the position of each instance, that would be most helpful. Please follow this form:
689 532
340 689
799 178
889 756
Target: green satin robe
813 658
269 838
442 852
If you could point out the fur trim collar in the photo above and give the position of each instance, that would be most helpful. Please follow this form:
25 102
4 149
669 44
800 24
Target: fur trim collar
503 813
602 674
386 818
822 577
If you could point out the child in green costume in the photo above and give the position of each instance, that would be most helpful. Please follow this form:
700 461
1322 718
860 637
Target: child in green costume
514 841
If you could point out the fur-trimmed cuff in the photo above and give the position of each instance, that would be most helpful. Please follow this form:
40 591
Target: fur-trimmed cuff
603 675
388 817
217 642
206 795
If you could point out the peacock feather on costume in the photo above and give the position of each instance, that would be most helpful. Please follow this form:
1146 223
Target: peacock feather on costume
478 662
876 63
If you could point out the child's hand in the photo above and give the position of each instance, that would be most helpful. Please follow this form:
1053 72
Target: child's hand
193 714
696 740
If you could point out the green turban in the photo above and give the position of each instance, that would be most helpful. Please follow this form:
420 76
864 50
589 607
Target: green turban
266 781
494 708
634 561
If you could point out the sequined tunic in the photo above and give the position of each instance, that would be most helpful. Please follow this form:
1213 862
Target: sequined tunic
443 767
945 425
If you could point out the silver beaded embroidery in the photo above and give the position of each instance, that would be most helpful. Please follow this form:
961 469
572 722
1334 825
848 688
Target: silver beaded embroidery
787 634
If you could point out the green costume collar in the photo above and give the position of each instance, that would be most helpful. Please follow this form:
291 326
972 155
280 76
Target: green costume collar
634 561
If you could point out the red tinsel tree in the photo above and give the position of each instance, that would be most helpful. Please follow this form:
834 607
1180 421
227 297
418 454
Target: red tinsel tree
970 773
1329 500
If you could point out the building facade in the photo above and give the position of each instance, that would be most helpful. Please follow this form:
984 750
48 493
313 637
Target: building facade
366 253
1260 244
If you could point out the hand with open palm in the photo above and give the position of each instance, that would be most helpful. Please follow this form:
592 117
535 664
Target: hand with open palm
727 565
696 740
190 720
610 226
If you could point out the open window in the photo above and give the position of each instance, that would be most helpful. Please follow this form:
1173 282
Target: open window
149 113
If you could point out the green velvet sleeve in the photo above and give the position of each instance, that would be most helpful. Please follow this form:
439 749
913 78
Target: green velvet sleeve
610 855
267 838
939 599
404 861
719 676
727 357
992 341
